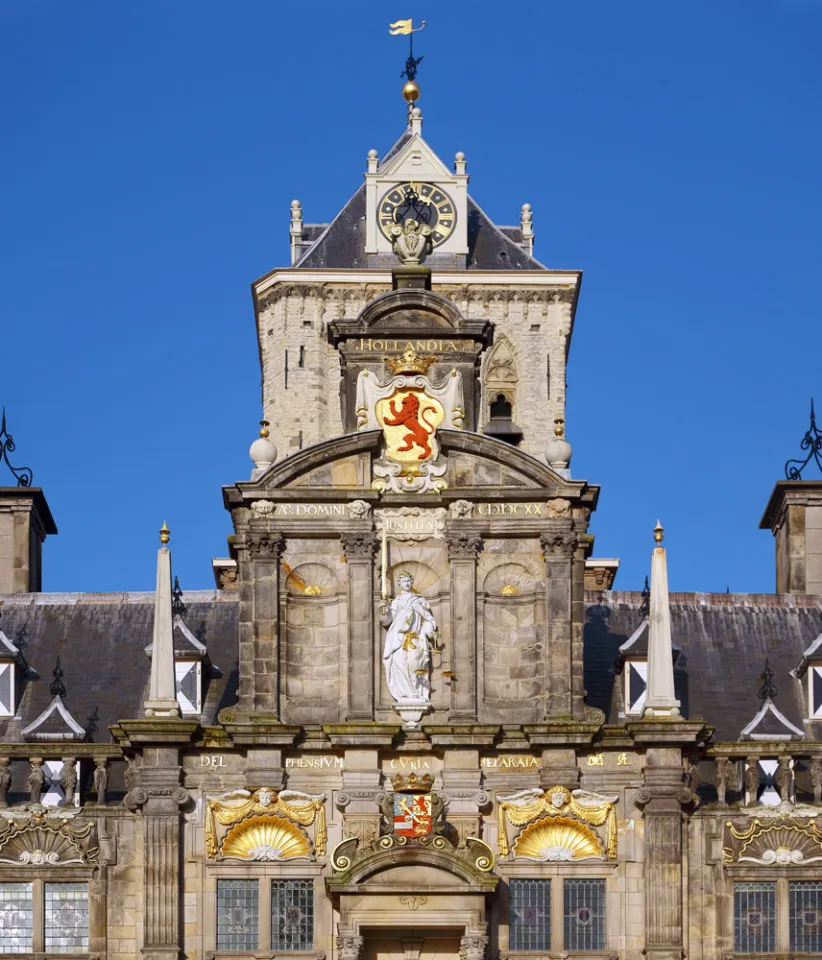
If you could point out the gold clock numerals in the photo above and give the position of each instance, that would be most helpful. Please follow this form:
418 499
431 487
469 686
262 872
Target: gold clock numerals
423 202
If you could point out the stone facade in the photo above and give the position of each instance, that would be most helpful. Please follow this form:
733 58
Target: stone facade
297 807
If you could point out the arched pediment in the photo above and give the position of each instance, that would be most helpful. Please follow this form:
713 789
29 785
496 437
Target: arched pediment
474 463
387 863
420 309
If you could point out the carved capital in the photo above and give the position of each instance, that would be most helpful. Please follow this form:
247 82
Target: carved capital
681 794
350 947
473 947
138 797
359 546
463 545
559 541
265 546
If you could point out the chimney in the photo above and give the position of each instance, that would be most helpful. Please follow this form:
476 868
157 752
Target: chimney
794 516
25 522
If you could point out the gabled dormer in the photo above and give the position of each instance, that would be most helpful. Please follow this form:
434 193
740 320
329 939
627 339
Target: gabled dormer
13 669
632 665
55 723
413 183
809 670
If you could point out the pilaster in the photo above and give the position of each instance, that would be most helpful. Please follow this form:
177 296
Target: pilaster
463 547
359 551
564 621
260 624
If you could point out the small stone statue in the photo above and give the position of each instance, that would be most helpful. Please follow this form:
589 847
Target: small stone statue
816 778
411 241
132 774
68 780
5 780
752 781
725 778
783 777
690 777
35 781
100 779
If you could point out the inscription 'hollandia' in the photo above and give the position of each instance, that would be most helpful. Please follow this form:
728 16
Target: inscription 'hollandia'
419 346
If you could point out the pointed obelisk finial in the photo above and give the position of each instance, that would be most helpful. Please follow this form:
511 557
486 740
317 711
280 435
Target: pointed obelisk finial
660 702
162 688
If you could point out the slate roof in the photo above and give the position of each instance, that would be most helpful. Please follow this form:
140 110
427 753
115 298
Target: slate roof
341 243
723 639
101 640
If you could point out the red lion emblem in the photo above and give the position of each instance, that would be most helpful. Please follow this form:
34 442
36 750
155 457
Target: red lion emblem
409 415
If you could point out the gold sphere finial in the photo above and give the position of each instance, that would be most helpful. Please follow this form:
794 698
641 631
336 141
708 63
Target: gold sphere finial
658 531
264 431
411 92
559 429
165 534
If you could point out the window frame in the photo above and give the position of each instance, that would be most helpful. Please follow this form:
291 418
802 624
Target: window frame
557 874
38 896
263 874
632 710
814 711
783 883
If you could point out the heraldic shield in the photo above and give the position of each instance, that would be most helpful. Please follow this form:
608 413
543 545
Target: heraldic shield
413 814
409 408
409 419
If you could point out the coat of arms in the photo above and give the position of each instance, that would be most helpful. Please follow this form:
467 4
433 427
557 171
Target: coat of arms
409 408
413 810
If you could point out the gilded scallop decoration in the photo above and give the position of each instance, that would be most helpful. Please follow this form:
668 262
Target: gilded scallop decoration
558 839
265 838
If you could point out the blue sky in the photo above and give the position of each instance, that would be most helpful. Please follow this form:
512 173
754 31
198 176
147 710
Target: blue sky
150 153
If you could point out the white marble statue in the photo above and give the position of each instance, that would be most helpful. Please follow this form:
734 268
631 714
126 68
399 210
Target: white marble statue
412 631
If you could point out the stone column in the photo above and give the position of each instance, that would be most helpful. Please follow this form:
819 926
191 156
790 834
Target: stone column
564 619
463 548
260 623
160 796
663 795
359 554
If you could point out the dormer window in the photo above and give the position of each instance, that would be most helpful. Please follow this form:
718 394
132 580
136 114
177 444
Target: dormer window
636 685
12 666
189 676
809 669
815 692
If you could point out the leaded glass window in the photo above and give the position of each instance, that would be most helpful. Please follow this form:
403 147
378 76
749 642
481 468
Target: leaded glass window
238 914
6 689
16 917
584 914
66 917
806 916
754 917
292 915
529 919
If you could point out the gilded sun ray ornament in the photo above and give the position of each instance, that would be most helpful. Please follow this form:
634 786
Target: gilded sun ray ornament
265 838
558 839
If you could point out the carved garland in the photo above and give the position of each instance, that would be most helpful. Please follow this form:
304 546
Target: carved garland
265 808
529 805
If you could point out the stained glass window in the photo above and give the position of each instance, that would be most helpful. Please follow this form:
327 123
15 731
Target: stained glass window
806 916
754 917
529 920
292 915
584 914
16 917
67 917
238 914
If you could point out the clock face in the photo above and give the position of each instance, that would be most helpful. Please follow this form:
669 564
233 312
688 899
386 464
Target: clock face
422 202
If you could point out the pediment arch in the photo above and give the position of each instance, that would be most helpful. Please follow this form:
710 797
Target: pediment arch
421 309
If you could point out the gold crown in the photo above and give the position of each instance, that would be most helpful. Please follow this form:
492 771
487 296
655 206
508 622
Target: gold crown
410 362
412 783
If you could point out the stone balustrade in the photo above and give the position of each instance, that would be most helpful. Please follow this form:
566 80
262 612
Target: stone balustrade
766 774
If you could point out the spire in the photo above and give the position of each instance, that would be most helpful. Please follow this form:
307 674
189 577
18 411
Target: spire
162 690
660 701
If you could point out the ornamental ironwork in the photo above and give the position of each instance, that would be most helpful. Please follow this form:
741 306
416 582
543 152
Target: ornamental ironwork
23 475
768 689
812 442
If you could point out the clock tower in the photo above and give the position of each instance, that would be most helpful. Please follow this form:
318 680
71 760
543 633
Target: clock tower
415 184
313 323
